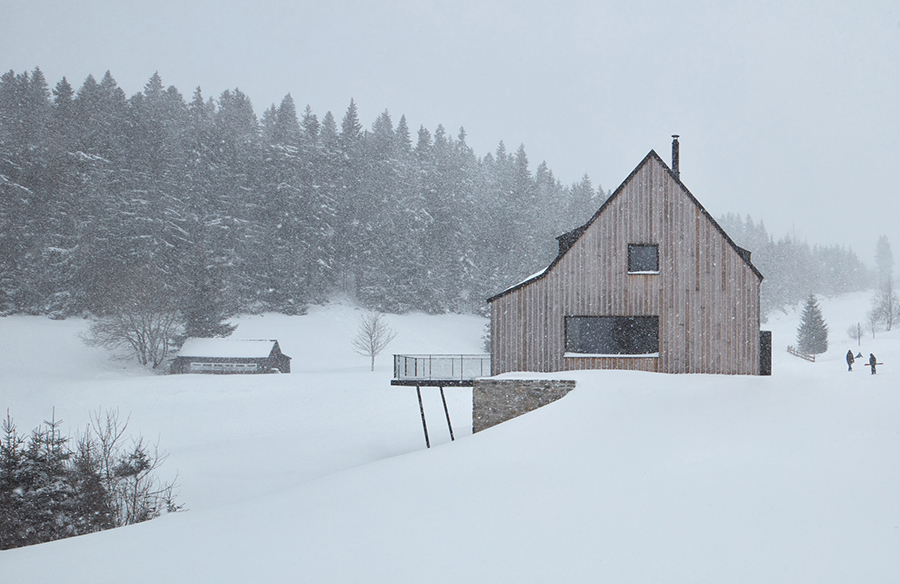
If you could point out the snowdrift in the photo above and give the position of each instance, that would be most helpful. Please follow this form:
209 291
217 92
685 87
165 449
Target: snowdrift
322 476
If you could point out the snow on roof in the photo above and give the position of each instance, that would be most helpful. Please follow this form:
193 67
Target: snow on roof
227 348
528 279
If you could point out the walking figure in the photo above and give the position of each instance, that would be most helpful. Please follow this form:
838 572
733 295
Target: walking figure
850 360
872 362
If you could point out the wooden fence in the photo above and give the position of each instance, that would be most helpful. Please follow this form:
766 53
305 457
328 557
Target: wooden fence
797 353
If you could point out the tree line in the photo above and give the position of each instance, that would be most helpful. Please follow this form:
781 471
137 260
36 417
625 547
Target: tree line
109 201
792 268
106 200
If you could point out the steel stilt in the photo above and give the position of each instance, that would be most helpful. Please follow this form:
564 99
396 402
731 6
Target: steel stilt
422 411
447 412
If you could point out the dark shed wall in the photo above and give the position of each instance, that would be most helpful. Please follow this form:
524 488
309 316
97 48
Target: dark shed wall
706 295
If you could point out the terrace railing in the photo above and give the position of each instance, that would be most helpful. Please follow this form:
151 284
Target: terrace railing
439 371
441 367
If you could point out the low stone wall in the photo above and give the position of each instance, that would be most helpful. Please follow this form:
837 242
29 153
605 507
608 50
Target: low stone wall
498 400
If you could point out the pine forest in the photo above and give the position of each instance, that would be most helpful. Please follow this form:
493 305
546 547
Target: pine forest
107 199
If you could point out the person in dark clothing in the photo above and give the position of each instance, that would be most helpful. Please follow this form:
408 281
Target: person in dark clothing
872 362
850 360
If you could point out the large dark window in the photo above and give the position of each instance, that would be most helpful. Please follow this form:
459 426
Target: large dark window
612 335
643 258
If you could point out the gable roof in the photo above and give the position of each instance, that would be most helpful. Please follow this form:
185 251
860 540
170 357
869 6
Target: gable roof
567 240
228 348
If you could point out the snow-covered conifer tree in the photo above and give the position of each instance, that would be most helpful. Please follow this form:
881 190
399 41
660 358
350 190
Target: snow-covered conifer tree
812 334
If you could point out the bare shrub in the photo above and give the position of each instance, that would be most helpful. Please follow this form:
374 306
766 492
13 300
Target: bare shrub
856 332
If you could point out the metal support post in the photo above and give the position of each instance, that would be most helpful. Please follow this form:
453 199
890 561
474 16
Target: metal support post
422 411
447 412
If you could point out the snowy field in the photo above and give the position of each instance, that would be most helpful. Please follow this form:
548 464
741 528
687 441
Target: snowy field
322 476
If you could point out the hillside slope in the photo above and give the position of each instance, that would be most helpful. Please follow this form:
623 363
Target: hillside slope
632 477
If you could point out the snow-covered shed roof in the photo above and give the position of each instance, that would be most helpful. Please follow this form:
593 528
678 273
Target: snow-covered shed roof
227 348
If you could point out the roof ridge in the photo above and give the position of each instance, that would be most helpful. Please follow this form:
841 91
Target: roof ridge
652 155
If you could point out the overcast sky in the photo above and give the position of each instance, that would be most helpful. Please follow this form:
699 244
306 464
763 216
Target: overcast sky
787 111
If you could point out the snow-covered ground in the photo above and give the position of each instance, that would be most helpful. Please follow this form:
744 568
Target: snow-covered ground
322 475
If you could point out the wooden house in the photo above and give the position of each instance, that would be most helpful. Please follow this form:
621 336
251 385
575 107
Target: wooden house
651 282
224 356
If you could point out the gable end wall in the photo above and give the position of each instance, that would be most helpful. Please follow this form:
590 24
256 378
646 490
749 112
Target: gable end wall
706 295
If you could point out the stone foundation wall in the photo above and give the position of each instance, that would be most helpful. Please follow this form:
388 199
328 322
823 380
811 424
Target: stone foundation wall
498 400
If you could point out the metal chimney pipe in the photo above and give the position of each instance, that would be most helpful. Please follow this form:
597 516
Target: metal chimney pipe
675 156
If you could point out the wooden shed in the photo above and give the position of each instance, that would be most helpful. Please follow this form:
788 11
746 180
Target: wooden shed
225 356
651 282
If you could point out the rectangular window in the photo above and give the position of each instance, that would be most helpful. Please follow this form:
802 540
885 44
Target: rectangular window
643 258
612 335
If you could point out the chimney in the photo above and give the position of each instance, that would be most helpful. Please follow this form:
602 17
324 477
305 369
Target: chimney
675 156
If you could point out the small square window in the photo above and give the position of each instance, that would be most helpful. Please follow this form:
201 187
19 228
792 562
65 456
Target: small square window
643 258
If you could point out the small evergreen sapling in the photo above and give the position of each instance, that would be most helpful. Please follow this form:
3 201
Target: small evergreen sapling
50 491
812 334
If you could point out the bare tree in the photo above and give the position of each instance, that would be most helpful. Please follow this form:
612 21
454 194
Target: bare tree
140 495
886 303
143 322
128 474
873 321
373 335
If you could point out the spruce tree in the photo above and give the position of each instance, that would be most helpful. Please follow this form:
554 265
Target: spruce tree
812 334
351 129
203 305
287 127
267 124
402 141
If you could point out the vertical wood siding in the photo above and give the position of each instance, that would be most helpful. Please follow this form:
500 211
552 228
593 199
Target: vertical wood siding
706 295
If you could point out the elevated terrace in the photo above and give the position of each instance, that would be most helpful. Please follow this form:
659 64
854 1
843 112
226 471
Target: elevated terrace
439 371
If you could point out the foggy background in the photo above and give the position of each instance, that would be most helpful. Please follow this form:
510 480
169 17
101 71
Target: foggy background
787 111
